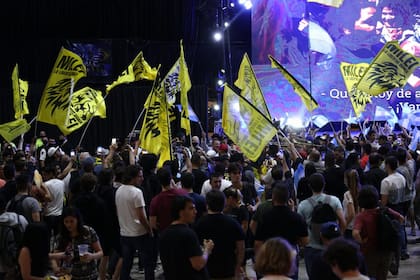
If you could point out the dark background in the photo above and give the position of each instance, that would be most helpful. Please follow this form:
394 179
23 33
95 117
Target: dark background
32 33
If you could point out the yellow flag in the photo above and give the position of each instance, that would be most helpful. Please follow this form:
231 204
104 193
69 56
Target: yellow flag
20 91
250 88
331 3
389 69
137 70
304 95
13 129
245 125
351 75
155 133
55 100
85 104
185 81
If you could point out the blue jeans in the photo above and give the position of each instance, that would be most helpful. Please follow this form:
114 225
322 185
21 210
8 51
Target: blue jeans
309 255
129 245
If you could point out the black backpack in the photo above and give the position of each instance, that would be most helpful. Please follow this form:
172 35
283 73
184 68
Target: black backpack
10 243
322 212
388 231
16 206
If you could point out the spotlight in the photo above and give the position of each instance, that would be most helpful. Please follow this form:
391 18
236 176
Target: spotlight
226 24
248 4
217 36
232 4
220 82
216 107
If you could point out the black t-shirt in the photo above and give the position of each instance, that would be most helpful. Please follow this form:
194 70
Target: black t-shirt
200 204
177 244
334 182
249 193
240 214
225 232
283 222
374 177
321 270
199 178
303 189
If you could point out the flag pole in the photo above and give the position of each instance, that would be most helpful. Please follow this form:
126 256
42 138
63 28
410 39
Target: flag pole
70 97
135 124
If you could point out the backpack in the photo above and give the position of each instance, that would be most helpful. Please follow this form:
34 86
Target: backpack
388 231
10 243
322 212
17 205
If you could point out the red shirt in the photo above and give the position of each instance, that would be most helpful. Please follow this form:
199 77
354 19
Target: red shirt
366 223
161 205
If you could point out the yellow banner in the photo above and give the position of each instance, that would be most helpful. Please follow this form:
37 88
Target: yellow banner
85 104
20 91
351 75
331 3
247 127
185 81
304 95
389 69
250 88
155 135
55 100
13 129
137 70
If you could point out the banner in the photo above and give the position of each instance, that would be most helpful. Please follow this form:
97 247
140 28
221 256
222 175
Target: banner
250 88
390 69
331 3
55 100
20 91
247 127
304 95
137 70
85 104
13 129
185 82
155 133
351 75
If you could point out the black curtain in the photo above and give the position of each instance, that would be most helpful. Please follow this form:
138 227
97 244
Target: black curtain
32 33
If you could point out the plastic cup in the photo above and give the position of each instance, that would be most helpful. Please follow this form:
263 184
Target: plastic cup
83 249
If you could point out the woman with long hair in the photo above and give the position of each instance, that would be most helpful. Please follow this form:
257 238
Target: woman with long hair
33 256
350 202
78 246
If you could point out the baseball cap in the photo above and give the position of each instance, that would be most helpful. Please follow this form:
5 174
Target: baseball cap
330 230
223 147
100 151
52 150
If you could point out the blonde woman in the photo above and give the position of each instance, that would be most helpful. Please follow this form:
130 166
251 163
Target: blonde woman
350 202
275 260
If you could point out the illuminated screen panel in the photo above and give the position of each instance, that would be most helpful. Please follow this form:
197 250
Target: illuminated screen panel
311 40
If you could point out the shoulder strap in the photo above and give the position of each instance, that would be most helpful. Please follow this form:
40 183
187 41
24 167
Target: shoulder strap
327 199
312 202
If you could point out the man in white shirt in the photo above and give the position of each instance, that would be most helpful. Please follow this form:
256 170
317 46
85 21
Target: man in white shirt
55 198
135 230
216 182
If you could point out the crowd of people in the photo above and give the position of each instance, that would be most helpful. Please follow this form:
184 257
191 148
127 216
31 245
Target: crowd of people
209 211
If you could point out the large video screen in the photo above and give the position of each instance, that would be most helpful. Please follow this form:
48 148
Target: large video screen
311 40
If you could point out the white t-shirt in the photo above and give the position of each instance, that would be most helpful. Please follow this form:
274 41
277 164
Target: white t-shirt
127 199
207 187
56 188
393 185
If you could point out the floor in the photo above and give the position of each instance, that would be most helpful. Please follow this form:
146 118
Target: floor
409 269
